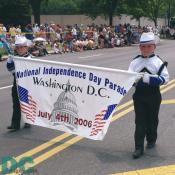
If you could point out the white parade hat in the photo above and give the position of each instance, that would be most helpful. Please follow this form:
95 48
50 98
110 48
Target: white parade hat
147 38
21 41
39 39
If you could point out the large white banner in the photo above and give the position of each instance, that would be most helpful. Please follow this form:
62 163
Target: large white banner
73 98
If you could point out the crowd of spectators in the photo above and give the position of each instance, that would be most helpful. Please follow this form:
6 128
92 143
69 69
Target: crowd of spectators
75 38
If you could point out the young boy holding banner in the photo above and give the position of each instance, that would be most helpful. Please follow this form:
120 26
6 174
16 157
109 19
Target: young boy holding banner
147 97
21 50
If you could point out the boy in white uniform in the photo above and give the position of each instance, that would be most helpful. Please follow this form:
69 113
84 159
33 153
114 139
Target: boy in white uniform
21 50
147 97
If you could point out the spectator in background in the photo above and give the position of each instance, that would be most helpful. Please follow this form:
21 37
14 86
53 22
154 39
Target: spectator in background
29 32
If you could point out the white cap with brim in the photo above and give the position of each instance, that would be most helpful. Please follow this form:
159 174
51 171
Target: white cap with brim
147 38
22 41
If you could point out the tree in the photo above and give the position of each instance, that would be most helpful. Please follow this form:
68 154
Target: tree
169 10
36 4
14 12
108 8
93 8
148 8
90 8
133 8
154 7
173 8
60 7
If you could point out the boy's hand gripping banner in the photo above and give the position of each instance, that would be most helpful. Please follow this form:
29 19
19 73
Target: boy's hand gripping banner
73 98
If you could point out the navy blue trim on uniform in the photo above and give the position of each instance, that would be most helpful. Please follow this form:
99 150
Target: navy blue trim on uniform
152 55
136 57
145 70
156 81
162 67
25 55
10 66
145 41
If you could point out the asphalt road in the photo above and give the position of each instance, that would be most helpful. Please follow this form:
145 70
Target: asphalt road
57 153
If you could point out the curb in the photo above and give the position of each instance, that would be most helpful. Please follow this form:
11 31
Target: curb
3 58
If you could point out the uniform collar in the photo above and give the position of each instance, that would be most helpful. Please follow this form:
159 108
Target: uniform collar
152 55
25 55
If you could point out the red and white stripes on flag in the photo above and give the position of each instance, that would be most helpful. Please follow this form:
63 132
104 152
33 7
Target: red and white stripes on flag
29 109
28 105
99 123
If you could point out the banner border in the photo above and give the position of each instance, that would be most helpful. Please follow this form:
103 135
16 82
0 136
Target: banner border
78 65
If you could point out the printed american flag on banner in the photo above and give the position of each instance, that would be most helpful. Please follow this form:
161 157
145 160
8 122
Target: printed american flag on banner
101 119
28 105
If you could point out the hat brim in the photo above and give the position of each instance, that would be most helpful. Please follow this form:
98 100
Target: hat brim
147 42
20 45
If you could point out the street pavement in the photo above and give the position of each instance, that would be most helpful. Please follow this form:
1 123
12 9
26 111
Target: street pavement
58 153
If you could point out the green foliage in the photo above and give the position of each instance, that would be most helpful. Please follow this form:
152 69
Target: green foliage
107 8
168 9
14 12
18 11
36 6
149 8
60 7
134 8
173 8
98 7
92 8
2 51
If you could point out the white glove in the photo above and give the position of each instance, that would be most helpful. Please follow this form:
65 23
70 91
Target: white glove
146 78
140 76
10 59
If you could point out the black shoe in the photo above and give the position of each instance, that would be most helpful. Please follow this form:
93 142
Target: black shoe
12 128
27 125
137 153
150 145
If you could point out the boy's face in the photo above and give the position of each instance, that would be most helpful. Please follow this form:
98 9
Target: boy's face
21 50
147 49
